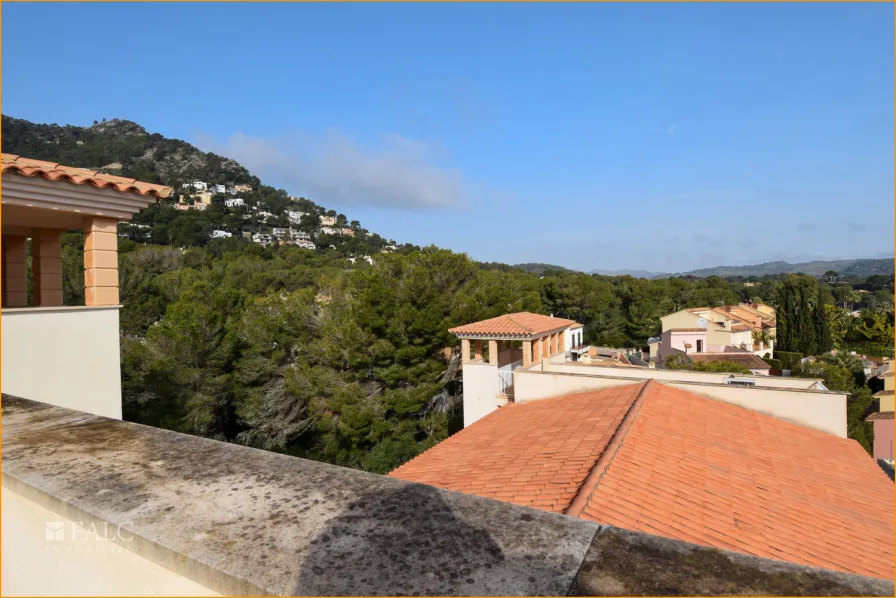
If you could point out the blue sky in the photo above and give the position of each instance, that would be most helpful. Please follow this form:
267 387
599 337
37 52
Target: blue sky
661 137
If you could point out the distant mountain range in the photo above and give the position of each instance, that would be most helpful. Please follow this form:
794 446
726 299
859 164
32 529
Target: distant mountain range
858 267
634 273
861 267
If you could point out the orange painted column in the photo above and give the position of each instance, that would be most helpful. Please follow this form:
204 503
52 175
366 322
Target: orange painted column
46 267
493 352
465 350
101 262
14 279
536 350
527 353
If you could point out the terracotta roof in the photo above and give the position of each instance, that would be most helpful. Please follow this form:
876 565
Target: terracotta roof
518 324
80 176
741 327
661 460
883 393
687 330
747 360
880 415
535 454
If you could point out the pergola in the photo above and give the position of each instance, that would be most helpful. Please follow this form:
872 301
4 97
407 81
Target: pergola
41 200
513 337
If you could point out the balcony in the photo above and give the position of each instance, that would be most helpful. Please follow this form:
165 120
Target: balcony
505 378
66 356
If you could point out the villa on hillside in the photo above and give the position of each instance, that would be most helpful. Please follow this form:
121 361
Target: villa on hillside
744 328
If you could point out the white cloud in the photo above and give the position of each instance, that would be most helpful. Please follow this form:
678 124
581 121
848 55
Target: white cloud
334 170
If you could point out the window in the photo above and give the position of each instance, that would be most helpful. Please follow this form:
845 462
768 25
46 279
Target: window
699 346
741 382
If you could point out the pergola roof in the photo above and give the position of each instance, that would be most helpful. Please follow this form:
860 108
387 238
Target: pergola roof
38 193
53 171
523 324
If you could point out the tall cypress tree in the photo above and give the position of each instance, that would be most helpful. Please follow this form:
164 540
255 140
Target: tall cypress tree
806 325
784 318
822 332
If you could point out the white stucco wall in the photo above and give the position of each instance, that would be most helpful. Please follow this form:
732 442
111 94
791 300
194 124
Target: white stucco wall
822 410
67 356
46 554
662 375
573 337
480 390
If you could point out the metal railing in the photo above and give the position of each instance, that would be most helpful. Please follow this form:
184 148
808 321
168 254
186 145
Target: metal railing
505 378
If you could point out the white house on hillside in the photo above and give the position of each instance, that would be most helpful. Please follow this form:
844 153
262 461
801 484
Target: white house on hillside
236 202
221 234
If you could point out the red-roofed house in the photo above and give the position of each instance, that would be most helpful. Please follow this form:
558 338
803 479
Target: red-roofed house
492 349
666 461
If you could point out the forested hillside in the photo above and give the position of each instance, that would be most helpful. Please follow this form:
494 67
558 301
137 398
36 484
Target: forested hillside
124 148
857 268
120 147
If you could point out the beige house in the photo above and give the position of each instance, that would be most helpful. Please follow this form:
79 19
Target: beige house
728 328
78 345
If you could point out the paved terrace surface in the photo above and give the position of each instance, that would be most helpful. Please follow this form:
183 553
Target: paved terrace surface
245 521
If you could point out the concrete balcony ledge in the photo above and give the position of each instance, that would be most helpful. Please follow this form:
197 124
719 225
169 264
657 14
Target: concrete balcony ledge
243 521
11 311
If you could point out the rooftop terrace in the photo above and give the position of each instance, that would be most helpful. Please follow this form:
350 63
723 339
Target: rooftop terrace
244 521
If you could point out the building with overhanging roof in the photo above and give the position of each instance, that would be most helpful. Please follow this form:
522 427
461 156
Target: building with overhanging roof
666 461
79 344
492 349
748 327
883 420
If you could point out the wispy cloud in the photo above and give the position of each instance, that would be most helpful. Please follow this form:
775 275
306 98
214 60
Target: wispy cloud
335 170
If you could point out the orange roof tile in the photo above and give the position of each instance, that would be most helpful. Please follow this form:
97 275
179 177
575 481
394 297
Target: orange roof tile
519 324
686 330
682 466
79 176
535 454
880 415
741 327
